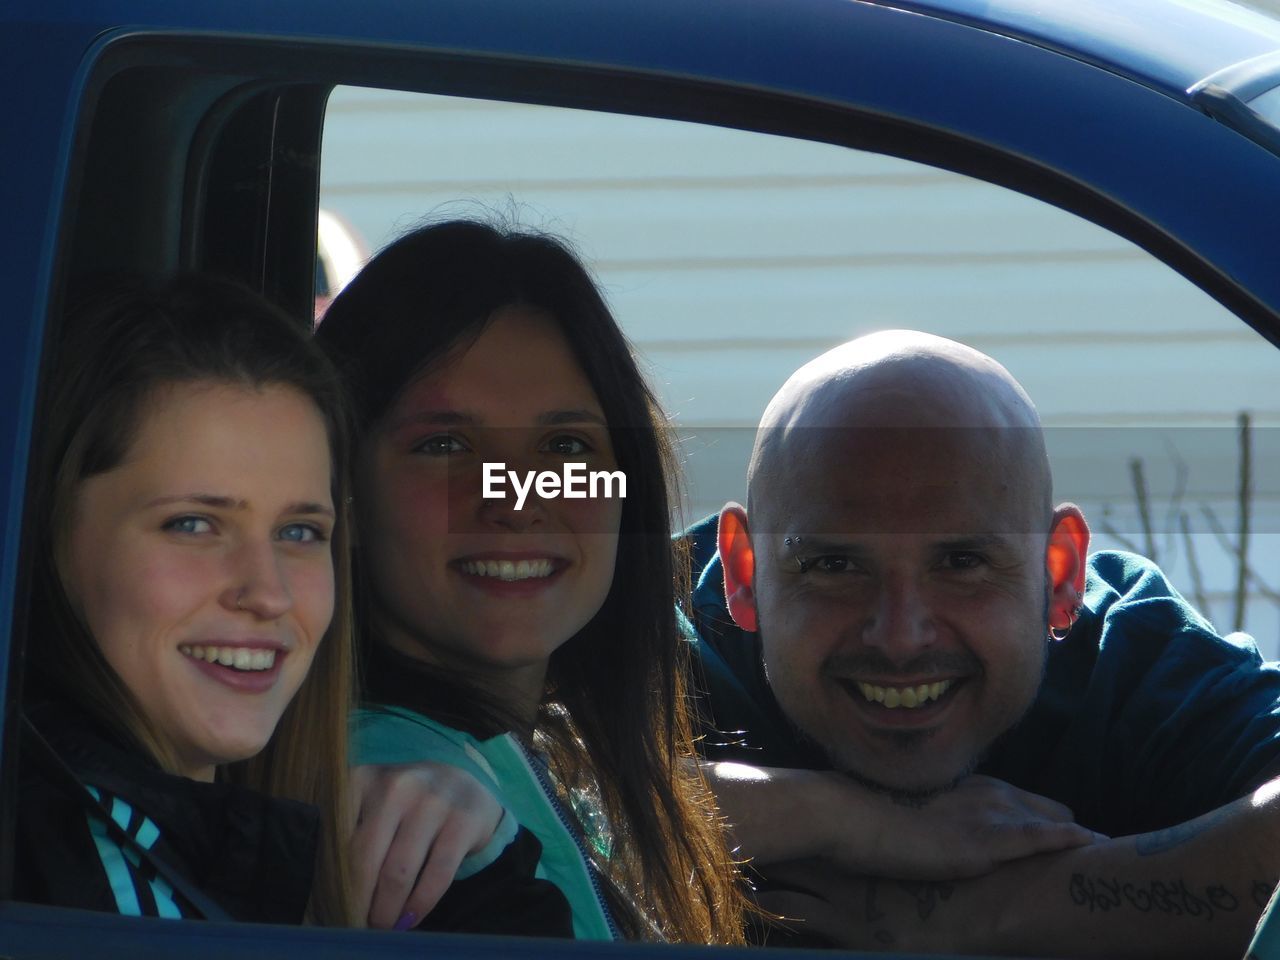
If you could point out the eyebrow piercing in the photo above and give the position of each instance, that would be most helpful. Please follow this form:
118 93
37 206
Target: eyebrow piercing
792 541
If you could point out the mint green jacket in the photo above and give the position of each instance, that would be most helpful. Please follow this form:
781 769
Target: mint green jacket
394 735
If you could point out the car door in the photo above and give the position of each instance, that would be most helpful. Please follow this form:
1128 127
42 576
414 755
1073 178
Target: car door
146 139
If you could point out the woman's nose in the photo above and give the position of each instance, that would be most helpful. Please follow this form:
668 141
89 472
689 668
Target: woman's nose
258 584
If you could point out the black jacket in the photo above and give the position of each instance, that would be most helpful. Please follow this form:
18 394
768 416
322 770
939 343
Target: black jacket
253 856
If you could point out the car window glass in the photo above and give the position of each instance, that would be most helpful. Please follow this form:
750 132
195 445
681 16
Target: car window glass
732 257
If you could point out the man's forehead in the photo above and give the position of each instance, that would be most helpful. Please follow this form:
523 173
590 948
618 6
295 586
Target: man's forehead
969 481
924 457
944 518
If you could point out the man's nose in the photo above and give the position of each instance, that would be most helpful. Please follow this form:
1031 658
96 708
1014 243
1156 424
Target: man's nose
901 621
259 585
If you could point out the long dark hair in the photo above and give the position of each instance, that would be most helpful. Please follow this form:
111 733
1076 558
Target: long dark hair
615 706
116 351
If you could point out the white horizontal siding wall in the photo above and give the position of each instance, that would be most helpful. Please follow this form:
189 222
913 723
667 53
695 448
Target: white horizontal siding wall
731 258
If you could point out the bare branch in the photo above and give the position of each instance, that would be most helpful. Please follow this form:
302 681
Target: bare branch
1181 477
1217 529
1138 475
1193 566
1243 503
1109 529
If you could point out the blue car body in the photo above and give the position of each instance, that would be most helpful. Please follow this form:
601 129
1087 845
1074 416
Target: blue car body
130 124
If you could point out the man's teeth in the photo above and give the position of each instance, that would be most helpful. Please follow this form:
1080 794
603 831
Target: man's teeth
238 658
509 569
909 697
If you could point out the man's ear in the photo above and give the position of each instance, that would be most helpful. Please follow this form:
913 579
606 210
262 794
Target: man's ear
1065 559
733 539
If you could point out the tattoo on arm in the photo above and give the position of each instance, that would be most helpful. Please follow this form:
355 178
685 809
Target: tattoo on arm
927 895
1173 897
875 914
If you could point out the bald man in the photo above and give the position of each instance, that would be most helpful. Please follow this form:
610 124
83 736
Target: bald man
887 699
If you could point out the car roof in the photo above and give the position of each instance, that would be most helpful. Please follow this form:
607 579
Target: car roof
1167 44
1170 45
1175 46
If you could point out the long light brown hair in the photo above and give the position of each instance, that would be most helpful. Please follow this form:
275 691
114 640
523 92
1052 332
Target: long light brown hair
116 352
615 708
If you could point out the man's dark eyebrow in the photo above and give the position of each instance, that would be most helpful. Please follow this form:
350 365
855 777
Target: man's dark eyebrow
557 417
808 545
984 541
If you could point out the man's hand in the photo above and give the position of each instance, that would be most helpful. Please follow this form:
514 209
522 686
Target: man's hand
414 825
963 832
783 815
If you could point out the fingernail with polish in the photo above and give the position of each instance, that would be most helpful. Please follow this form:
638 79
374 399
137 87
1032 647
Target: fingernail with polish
406 922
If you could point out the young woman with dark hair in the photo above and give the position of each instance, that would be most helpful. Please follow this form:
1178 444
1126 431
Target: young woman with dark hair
532 641
189 663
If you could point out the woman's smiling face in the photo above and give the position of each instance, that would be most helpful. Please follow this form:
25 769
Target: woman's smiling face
471 583
201 563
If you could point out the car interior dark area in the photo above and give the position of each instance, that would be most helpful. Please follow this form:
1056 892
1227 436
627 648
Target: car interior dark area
743 190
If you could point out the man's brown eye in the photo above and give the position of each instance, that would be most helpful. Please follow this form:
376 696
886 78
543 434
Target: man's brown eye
826 564
963 561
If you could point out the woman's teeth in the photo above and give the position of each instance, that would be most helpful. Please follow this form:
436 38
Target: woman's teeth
238 658
909 697
509 569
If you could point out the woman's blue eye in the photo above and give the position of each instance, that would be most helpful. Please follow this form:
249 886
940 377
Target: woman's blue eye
439 445
190 525
302 533
568 446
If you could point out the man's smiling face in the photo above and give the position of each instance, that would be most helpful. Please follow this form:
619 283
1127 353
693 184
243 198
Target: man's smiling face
903 626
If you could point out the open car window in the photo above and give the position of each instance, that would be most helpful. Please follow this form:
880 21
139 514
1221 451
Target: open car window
732 257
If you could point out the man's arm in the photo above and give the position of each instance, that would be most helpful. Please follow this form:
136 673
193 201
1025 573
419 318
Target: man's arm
780 815
1195 890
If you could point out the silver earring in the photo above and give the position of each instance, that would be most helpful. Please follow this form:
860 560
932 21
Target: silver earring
1058 634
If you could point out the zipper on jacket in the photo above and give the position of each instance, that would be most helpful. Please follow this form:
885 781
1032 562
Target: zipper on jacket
544 781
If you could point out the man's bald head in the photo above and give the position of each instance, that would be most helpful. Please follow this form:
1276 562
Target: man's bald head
897 380
900 558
